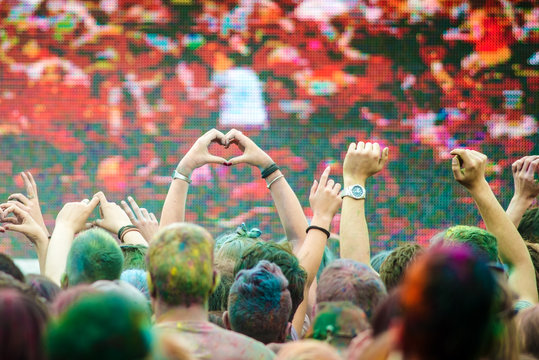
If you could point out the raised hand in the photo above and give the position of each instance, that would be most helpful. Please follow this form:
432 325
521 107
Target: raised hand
526 187
362 161
199 154
145 221
469 167
113 218
252 154
30 202
74 215
324 198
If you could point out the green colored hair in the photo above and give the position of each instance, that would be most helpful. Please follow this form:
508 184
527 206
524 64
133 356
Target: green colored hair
394 266
180 263
105 327
94 255
134 257
282 256
480 241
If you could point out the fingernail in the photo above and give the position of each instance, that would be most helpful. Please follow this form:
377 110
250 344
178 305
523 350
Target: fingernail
227 164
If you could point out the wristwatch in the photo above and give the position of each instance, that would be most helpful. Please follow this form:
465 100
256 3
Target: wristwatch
354 191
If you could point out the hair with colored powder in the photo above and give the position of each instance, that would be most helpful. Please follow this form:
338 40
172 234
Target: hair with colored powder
349 280
528 328
282 256
448 298
69 296
134 256
393 268
378 259
480 241
338 323
529 225
307 350
22 324
8 266
180 262
9 282
44 286
94 255
260 303
138 279
228 248
105 326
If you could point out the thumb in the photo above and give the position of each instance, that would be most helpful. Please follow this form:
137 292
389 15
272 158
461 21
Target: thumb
212 159
314 188
455 167
99 222
237 160
385 157
15 227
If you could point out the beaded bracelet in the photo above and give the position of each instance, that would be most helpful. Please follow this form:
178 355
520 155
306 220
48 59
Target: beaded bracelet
318 228
269 170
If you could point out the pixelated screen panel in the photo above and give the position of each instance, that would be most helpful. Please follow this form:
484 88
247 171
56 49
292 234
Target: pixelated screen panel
108 95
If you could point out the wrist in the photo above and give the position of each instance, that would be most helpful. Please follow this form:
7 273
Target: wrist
322 220
349 181
478 187
65 228
265 163
185 168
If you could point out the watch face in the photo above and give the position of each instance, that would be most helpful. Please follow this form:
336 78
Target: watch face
357 191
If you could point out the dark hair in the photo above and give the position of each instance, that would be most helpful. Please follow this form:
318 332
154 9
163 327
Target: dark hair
44 287
22 323
94 255
69 296
134 256
393 268
281 256
529 225
529 331
259 303
105 326
8 266
448 299
388 310
349 280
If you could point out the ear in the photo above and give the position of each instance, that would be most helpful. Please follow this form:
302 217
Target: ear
226 321
215 281
151 288
285 333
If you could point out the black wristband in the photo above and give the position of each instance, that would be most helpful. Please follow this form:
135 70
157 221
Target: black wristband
318 228
123 228
269 170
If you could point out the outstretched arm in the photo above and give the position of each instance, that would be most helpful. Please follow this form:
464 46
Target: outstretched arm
362 161
325 201
469 170
24 223
197 156
526 188
286 202
30 202
70 220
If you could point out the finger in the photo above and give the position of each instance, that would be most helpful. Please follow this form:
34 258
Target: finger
532 168
515 167
85 201
324 176
314 187
128 211
89 225
98 222
464 156
15 210
100 196
135 207
330 183
237 160
360 145
337 188
214 135
93 203
368 146
235 135
385 156
20 198
455 167
28 185
527 163
351 147
145 213
376 150
520 164
153 218
19 205
32 181
212 159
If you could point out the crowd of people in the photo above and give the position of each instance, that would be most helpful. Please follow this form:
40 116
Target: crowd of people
96 95
119 283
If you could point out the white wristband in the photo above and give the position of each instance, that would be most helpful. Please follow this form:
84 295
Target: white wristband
177 175
274 180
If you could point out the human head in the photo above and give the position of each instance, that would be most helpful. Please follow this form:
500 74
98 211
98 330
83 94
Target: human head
44 286
281 256
338 323
386 312
378 259
94 255
480 241
180 262
22 323
529 225
138 279
8 266
69 296
448 300
134 256
393 268
259 303
349 280
528 328
307 350
103 326
228 248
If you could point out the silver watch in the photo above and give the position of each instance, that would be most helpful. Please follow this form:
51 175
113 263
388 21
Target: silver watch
354 191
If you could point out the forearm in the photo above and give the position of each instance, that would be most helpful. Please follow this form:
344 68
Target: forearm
517 207
512 248
174 207
58 250
289 209
354 232
134 238
42 246
311 253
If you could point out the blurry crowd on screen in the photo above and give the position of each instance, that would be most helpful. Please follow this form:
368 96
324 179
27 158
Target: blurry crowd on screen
111 91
